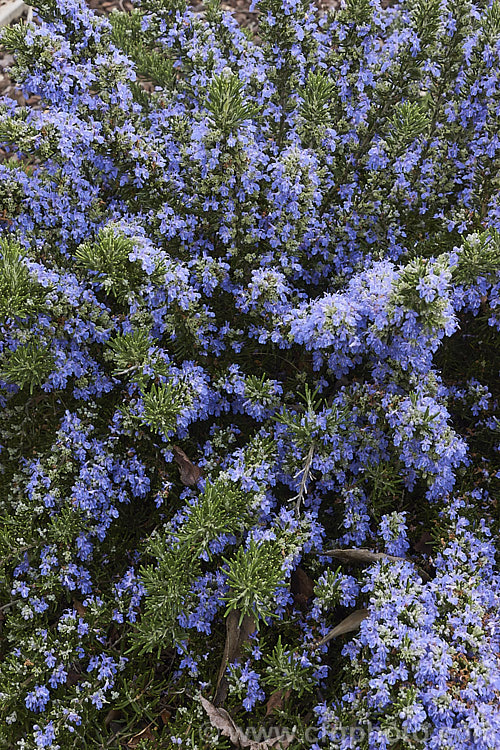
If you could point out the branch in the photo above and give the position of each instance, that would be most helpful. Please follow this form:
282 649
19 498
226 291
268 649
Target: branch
306 472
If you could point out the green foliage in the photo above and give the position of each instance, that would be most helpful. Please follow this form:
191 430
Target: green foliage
267 271
41 49
426 17
303 421
11 196
253 576
284 671
163 7
108 260
491 20
410 289
222 509
150 60
20 295
226 102
385 485
479 256
29 365
317 105
163 404
358 12
328 589
168 583
317 98
409 121
129 351
25 135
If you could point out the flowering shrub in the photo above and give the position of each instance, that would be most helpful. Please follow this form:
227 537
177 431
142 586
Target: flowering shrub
249 309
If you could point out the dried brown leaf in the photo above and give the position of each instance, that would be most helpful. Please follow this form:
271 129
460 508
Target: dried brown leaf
276 701
236 635
221 720
348 625
145 734
112 714
280 743
189 472
301 586
165 716
359 556
365 556
73 677
424 545
79 607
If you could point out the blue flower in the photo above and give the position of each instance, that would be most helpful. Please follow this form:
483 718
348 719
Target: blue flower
37 699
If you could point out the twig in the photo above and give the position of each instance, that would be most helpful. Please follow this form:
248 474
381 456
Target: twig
132 368
303 482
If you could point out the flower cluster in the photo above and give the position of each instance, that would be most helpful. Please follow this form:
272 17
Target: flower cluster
249 295
424 661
